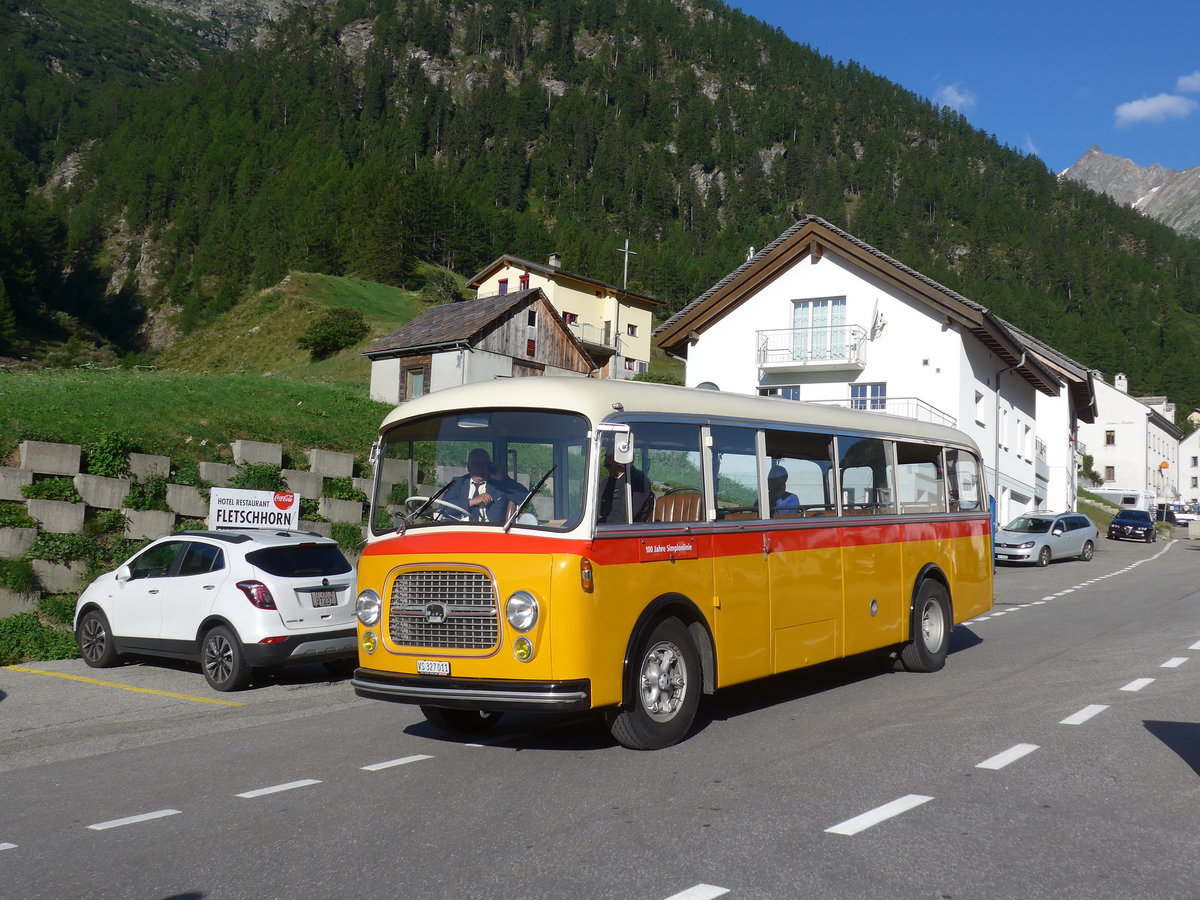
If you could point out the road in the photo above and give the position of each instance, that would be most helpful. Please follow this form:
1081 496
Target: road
1057 754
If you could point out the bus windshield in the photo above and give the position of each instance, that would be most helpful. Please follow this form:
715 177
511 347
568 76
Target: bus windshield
479 468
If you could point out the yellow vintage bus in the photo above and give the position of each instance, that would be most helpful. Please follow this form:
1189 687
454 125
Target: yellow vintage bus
569 544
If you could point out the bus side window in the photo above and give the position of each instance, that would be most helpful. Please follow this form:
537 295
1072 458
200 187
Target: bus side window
962 470
669 455
867 487
920 485
735 471
806 459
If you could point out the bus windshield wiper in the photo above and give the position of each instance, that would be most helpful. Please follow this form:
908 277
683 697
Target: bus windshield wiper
537 487
412 517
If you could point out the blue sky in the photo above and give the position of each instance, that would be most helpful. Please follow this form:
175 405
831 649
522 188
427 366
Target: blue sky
1050 78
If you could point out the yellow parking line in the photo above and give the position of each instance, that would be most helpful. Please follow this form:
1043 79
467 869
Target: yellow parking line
126 687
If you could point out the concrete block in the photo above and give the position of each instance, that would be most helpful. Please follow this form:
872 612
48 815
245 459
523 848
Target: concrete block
12 603
187 501
11 482
398 471
366 485
15 541
148 523
331 463
59 577
217 473
325 529
306 484
147 465
257 452
103 493
340 510
46 458
58 516
1193 529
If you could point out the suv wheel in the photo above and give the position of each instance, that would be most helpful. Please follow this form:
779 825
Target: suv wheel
95 641
224 664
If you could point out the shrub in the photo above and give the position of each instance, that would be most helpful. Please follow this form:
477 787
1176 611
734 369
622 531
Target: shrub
106 456
109 521
190 525
341 489
58 608
337 329
349 537
24 638
13 515
259 477
398 495
658 377
17 575
58 488
308 510
148 493
62 547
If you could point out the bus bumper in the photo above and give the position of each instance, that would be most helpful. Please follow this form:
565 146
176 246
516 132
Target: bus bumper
474 693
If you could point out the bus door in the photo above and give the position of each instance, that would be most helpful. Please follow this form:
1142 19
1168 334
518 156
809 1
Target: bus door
876 597
802 541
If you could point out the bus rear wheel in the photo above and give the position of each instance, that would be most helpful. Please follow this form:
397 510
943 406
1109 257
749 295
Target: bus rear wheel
461 721
929 633
666 690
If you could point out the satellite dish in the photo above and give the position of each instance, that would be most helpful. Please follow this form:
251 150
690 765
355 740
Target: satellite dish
707 386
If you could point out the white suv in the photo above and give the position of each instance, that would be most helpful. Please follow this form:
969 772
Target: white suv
233 601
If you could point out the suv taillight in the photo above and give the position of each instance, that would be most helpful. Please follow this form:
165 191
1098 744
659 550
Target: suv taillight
257 593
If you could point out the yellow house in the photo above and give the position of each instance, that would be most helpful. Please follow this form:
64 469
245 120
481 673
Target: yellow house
614 325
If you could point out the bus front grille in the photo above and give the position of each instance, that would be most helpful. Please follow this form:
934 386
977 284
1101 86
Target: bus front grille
452 609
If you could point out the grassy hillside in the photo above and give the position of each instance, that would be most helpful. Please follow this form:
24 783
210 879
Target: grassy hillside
182 416
259 335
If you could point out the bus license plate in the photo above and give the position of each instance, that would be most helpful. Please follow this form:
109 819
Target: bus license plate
433 667
324 598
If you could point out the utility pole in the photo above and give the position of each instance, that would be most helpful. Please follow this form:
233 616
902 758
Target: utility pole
624 287
628 253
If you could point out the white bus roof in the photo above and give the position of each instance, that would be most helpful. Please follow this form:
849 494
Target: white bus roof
597 399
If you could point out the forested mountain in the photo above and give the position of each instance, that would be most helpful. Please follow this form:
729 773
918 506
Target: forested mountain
1165 195
354 138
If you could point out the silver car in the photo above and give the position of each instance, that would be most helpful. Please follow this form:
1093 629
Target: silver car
1039 537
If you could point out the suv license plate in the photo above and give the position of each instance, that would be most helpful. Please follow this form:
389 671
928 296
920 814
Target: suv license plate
324 598
433 667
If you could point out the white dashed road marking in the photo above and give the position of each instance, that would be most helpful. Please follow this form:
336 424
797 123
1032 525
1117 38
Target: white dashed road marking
275 789
879 814
1137 684
7 846
1084 714
133 820
1174 662
700 892
1012 754
375 767
1195 646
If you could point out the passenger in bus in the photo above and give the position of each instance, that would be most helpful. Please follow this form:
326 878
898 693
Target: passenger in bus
622 478
485 500
782 501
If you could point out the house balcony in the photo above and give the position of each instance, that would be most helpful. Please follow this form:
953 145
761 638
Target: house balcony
826 348
600 343
908 407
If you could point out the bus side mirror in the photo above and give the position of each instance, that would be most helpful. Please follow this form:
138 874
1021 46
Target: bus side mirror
623 449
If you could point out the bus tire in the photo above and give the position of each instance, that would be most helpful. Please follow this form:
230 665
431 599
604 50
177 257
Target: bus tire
929 632
461 721
666 690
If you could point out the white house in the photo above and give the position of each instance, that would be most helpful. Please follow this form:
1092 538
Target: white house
819 315
1134 443
614 325
1189 468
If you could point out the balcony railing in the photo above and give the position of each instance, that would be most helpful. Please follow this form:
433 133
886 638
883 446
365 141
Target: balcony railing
593 335
823 347
908 407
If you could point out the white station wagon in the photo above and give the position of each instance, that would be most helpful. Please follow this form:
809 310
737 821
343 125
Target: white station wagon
234 601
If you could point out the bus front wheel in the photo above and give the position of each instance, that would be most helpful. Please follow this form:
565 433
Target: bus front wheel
929 633
666 690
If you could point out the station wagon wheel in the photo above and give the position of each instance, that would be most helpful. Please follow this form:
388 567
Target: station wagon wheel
929 633
1089 550
1044 557
224 664
666 690
461 721
95 641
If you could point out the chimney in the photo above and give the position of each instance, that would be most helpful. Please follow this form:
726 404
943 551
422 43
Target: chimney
556 260
1121 382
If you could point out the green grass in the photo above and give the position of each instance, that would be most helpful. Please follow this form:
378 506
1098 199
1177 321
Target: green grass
183 416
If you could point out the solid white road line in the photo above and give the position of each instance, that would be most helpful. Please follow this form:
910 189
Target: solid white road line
700 892
879 814
275 789
1084 714
1012 754
375 767
1137 684
133 820
1174 662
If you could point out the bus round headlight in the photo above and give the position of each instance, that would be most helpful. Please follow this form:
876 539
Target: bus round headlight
367 608
521 610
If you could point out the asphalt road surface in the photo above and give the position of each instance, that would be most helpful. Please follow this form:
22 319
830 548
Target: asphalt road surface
1056 755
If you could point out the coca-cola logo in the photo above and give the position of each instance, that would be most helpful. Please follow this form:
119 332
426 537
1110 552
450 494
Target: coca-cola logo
284 500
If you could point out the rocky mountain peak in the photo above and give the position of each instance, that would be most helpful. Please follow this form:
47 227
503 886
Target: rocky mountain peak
1167 195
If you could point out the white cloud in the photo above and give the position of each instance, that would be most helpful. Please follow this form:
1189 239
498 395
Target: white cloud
1030 147
1154 109
951 96
1189 84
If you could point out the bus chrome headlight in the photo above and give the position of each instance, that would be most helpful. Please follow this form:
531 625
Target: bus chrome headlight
367 607
521 610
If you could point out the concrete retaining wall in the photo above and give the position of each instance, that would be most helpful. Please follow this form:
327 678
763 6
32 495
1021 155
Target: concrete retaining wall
46 458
